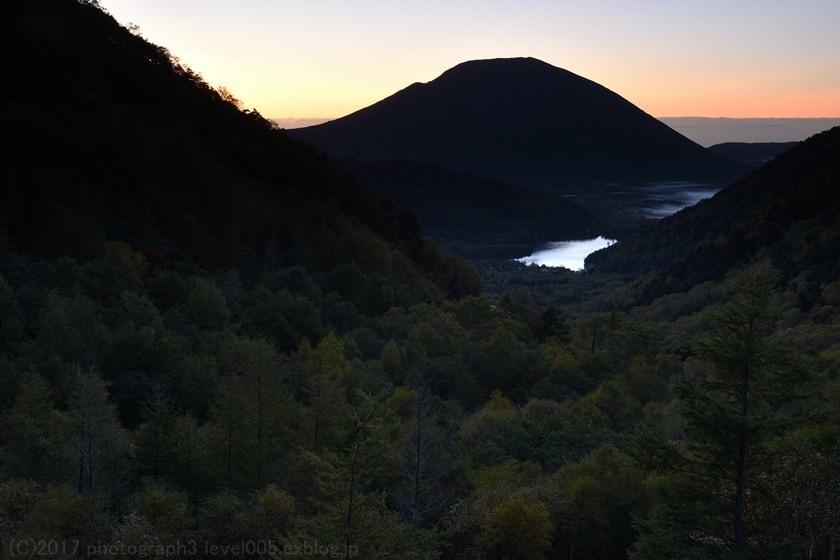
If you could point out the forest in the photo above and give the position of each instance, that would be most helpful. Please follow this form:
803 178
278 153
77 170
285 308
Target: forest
215 344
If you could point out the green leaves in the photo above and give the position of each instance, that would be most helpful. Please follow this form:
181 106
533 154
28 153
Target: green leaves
517 531
732 405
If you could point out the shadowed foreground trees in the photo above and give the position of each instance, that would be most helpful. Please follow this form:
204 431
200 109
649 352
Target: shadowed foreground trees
95 434
740 399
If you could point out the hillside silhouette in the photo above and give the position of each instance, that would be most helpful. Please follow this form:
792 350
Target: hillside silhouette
523 121
473 216
754 154
788 209
111 139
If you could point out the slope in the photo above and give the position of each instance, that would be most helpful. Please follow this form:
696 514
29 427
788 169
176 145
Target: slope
754 154
788 209
473 216
522 121
108 138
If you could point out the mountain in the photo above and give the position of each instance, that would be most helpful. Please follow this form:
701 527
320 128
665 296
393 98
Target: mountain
108 141
473 216
754 154
789 210
521 121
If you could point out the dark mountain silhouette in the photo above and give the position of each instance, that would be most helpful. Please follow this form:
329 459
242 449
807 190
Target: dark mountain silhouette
108 138
754 154
521 121
788 209
473 216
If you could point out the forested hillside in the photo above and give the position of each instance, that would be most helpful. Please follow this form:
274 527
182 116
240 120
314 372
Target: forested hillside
788 209
212 345
114 140
476 217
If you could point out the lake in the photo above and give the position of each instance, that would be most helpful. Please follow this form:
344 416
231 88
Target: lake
568 254
663 199
652 201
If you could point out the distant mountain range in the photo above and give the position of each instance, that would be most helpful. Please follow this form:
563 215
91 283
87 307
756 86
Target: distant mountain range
754 154
789 209
708 131
522 121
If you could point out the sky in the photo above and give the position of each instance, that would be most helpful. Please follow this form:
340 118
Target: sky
327 58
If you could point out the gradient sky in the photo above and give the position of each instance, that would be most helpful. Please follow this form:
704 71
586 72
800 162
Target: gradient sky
328 58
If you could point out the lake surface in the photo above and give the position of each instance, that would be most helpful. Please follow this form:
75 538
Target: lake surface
664 199
568 254
650 201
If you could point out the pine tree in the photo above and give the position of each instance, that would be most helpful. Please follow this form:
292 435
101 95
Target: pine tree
730 413
328 387
33 428
350 505
252 416
156 447
426 461
95 432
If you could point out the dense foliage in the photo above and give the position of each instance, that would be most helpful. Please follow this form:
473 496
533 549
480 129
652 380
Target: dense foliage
213 346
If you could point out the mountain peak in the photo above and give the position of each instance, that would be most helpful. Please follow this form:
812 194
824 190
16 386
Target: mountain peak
491 64
520 120
521 69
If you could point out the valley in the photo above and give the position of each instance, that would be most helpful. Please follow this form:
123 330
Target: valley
217 332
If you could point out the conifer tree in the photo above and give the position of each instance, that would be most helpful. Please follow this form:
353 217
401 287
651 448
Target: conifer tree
252 416
328 387
731 411
351 509
426 461
95 432
33 428
155 438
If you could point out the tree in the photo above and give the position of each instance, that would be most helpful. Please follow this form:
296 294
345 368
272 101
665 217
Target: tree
615 399
166 510
391 360
602 492
730 412
11 319
17 499
494 433
206 305
33 432
95 432
156 449
69 332
198 385
804 483
253 413
351 510
62 515
426 460
328 388
518 531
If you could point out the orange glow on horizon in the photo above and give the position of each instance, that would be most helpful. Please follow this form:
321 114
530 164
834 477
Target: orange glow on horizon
747 59
810 105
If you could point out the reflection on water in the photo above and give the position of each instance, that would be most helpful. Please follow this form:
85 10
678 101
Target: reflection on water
651 201
568 254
